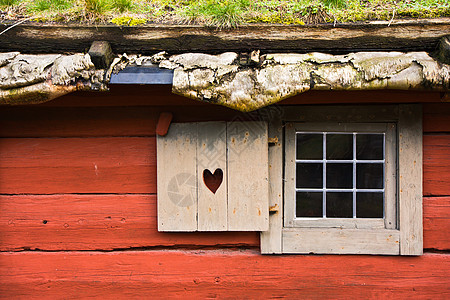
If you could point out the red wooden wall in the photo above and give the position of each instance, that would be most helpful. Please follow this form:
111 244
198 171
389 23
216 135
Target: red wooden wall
78 210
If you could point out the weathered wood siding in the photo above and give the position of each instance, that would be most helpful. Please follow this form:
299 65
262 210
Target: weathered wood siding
78 178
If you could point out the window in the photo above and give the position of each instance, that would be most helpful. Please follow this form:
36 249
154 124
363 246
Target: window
348 186
338 177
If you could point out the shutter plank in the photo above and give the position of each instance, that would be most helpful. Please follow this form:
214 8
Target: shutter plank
248 200
177 178
212 155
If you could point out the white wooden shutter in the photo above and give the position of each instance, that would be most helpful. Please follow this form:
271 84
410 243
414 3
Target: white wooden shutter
213 176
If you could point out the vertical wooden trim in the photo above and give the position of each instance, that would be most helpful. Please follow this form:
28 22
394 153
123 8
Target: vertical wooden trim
390 216
248 178
410 179
212 156
289 167
271 239
177 176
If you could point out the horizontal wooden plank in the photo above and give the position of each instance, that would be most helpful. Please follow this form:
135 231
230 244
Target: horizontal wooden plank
436 223
221 274
382 35
128 165
38 121
96 222
77 165
341 241
436 165
124 95
161 95
436 117
32 121
122 221
362 97
98 114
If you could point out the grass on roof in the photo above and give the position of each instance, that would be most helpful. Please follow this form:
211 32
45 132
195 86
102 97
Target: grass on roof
221 14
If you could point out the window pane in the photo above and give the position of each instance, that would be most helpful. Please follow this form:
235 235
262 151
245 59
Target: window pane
339 205
309 204
339 146
369 176
369 146
339 175
309 146
369 205
309 175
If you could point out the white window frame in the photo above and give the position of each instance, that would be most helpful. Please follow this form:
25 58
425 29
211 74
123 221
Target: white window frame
389 221
401 233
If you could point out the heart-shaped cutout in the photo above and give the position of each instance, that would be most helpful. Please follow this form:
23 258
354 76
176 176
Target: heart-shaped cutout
213 181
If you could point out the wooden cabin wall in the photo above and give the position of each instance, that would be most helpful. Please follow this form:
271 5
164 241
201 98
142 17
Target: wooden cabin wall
78 210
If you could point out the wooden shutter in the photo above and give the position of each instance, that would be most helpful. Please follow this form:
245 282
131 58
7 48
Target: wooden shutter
213 176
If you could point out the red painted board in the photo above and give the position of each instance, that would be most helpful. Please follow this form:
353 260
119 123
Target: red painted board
128 165
436 117
50 222
436 223
124 95
222 274
96 222
77 165
157 95
436 165
37 121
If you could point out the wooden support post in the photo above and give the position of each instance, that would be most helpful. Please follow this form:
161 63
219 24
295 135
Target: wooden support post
101 54
444 50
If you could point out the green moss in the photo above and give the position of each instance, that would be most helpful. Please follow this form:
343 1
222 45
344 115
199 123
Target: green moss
128 21
225 13
276 19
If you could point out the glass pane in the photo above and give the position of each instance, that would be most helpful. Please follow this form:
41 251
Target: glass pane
309 146
309 175
309 204
339 205
339 146
369 176
369 205
369 146
340 175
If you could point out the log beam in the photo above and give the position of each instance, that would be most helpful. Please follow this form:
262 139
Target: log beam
401 35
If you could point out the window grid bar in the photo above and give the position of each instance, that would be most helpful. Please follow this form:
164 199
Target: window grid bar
354 161
324 175
340 190
379 161
354 175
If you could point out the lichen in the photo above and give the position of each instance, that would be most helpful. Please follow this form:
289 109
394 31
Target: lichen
279 76
128 21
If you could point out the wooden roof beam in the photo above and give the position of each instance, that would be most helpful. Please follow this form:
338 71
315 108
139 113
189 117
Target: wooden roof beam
409 35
